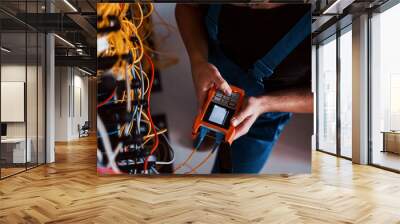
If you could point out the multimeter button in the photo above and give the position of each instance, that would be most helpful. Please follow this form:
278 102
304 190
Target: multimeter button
235 96
231 104
226 97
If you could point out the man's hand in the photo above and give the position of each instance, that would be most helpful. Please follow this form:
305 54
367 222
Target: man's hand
249 113
205 77
287 100
190 19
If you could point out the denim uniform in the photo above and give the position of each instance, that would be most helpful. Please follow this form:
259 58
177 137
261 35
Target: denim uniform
250 152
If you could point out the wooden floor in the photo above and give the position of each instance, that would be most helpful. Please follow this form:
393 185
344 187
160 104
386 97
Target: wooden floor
5 172
69 191
387 159
10 171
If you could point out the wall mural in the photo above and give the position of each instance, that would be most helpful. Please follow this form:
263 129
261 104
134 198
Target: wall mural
248 80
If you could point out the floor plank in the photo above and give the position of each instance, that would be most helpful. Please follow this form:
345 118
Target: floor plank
70 191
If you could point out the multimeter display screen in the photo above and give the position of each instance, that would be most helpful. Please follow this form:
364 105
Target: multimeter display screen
219 115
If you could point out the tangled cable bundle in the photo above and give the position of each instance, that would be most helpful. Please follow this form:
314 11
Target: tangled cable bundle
128 140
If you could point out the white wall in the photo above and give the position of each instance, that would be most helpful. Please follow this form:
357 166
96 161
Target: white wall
15 73
80 82
12 73
61 105
292 153
33 127
70 83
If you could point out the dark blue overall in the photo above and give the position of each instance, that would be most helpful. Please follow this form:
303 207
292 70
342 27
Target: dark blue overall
250 152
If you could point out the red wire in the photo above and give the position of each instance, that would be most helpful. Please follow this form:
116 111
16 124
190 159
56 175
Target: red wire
106 100
149 114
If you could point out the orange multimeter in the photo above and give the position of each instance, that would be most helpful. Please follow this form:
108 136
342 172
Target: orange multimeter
217 112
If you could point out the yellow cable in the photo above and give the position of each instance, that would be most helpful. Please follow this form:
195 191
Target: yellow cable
158 133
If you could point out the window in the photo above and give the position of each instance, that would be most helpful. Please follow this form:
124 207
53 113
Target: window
22 101
335 108
346 92
385 89
326 92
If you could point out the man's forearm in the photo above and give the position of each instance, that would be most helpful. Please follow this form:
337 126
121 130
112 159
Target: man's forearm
192 29
292 100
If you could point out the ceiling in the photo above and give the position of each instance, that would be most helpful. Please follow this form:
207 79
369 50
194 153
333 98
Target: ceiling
75 21
21 21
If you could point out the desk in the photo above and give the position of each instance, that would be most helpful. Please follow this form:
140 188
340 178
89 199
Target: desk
391 141
13 150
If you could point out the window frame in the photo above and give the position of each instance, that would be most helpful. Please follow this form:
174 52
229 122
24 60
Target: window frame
334 37
381 9
31 30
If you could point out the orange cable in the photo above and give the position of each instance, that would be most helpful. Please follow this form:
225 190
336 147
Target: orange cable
194 169
184 162
149 114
